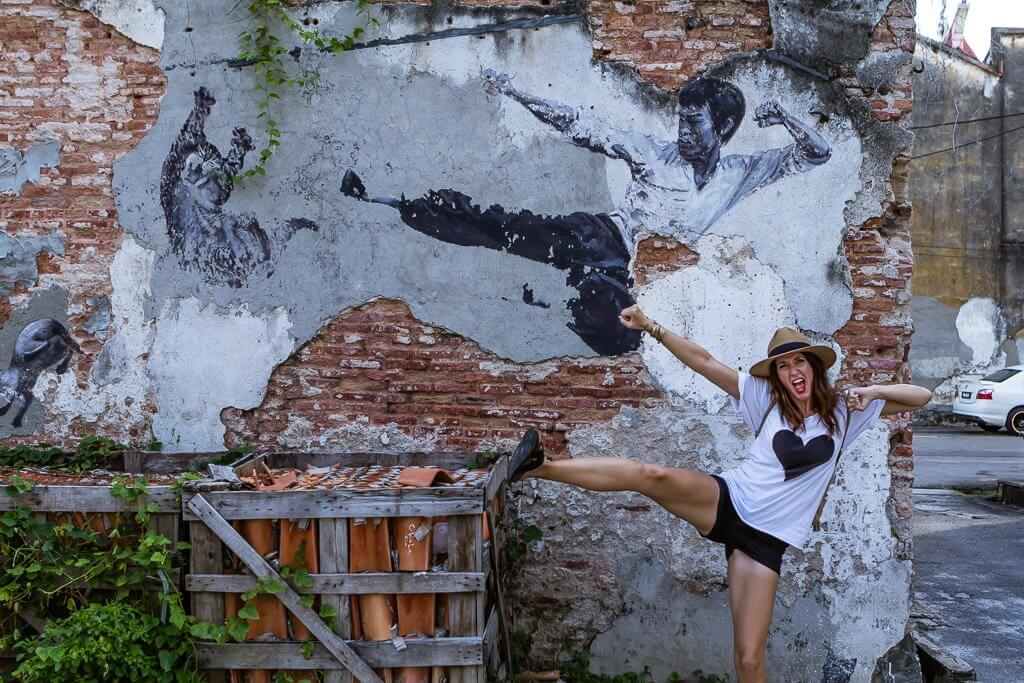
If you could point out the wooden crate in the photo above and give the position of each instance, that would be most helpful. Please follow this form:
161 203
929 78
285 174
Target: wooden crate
474 603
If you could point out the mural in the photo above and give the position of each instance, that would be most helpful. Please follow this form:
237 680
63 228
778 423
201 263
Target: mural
195 184
677 187
41 345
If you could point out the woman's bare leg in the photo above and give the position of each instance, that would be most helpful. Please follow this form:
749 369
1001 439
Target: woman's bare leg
752 589
688 494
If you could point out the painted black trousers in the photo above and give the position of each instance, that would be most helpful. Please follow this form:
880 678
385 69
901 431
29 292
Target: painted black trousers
588 247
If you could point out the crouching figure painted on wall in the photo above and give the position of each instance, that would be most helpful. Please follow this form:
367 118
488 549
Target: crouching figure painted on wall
677 188
195 184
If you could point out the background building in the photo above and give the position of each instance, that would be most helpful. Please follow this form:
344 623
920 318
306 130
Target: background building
967 195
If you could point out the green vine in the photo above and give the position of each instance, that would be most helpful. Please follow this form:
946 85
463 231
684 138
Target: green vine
261 47
95 580
94 577
92 452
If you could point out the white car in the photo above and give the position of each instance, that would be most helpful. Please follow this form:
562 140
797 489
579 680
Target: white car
995 401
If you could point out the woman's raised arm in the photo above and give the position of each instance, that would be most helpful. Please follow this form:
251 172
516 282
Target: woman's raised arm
692 355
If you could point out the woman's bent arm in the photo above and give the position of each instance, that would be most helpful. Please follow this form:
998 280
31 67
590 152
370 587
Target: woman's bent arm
694 356
899 398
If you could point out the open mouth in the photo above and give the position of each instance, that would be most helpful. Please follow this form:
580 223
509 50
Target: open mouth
799 386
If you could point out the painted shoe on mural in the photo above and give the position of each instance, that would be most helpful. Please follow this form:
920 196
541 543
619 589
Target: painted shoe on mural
529 455
352 185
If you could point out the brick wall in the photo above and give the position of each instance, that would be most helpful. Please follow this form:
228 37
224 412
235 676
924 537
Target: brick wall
64 75
877 338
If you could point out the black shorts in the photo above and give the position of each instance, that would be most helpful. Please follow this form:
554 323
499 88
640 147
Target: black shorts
732 531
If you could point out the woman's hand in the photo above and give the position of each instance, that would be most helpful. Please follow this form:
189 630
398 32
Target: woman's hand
633 318
859 398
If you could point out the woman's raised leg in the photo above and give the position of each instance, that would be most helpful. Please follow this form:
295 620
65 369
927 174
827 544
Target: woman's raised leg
752 589
688 494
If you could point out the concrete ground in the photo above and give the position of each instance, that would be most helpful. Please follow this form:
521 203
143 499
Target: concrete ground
969 580
965 458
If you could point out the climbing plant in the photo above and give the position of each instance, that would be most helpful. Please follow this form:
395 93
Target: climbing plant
261 47
99 580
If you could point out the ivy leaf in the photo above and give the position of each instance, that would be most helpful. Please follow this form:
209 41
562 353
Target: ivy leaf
19 486
302 579
167 659
307 649
238 629
249 612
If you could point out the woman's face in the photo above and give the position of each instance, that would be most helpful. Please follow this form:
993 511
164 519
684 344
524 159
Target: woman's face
796 374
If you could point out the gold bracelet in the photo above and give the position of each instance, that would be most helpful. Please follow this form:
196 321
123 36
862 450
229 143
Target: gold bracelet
656 331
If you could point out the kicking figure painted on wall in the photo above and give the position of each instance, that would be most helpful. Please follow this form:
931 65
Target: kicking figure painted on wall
195 184
678 188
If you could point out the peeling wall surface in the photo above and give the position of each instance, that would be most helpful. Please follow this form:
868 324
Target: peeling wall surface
438 252
967 290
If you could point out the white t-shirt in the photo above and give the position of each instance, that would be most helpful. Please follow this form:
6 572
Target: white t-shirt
778 487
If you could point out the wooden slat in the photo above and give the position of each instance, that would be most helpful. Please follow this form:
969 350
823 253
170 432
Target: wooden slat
46 498
333 544
458 652
134 461
246 467
33 620
158 462
465 555
165 523
494 553
496 478
207 556
431 502
258 566
491 641
351 584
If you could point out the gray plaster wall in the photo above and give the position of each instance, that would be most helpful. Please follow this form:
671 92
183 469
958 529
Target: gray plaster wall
18 168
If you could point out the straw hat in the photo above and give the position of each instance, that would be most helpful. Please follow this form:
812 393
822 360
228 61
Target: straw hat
787 340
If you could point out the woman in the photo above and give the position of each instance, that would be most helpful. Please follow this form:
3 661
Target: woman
769 502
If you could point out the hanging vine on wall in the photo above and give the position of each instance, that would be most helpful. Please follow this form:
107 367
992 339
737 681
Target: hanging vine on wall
261 47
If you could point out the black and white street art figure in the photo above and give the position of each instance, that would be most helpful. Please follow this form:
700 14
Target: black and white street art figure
41 345
195 184
678 188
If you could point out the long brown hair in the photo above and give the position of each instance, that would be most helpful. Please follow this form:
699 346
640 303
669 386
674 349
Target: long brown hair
823 397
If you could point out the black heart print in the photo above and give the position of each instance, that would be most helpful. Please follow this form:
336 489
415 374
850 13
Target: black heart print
798 457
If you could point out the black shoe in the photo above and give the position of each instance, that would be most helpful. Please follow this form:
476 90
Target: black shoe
529 455
352 185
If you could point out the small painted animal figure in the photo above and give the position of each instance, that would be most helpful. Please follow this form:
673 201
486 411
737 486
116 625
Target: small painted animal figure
41 345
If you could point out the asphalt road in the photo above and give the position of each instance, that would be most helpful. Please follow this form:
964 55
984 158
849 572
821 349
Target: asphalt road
965 458
969 580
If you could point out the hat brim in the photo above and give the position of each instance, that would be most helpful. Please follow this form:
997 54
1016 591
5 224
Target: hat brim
825 354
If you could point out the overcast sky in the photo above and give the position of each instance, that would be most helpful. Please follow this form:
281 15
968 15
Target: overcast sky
984 14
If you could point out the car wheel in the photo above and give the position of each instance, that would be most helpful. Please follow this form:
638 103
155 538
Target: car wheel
991 428
1015 421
